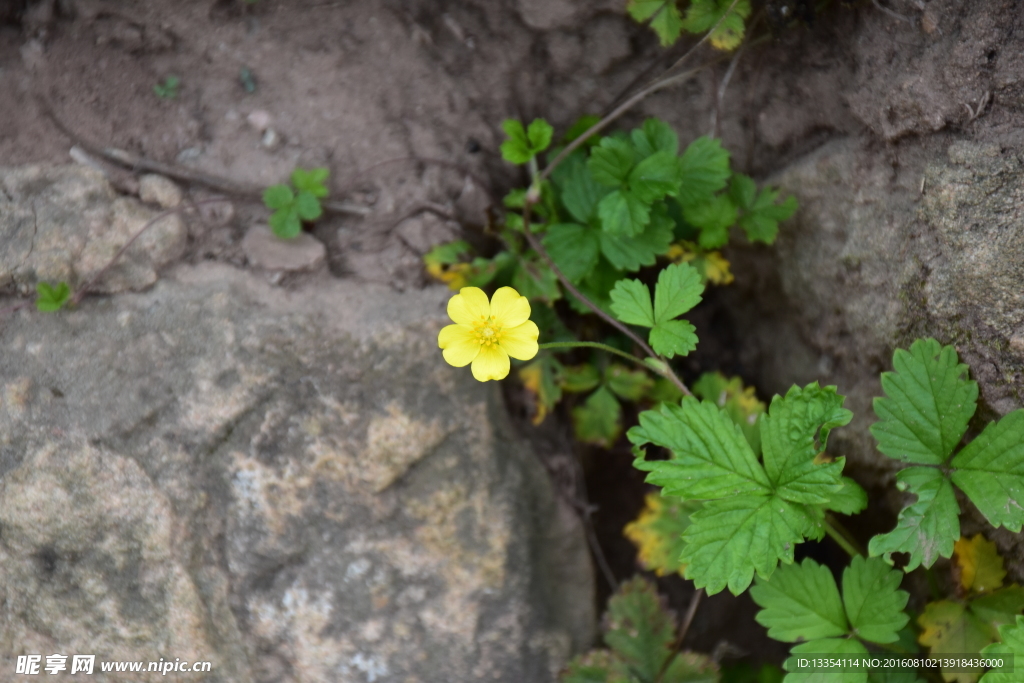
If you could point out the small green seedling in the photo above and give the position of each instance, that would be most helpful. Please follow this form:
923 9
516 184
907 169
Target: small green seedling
52 298
168 88
246 77
291 207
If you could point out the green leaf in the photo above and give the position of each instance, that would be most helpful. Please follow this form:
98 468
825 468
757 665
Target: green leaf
704 170
761 219
655 177
278 197
597 666
52 298
999 607
631 385
743 191
800 602
655 136
448 253
630 253
703 14
929 403
691 667
307 206
579 378
793 433
739 403
1012 637
539 135
710 457
713 217
623 213
839 647
580 192
573 248
611 161
311 181
731 538
631 303
667 22
673 337
285 222
582 125
516 149
893 676
990 470
848 500
679 289
599 419
536 281
928 528
874 603
640 630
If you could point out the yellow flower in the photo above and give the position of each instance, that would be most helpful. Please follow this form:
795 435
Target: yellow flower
487 333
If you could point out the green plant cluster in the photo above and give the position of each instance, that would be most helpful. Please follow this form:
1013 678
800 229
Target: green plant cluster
725 19
293 205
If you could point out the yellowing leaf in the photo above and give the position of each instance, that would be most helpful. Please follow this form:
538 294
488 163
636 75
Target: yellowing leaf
712 266
950 628
981 567
454 275
658 532
716 269
539 379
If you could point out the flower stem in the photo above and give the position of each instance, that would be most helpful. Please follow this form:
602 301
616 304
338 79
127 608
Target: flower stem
596 345
838 533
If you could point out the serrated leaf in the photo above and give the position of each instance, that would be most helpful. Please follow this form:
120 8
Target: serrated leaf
874 604
679 289
732 538
839 647
611 161
710 457
516 149
928 528
623 214
666 21
630 253
536 281
761 220
539 135
848 500
739 403
950 628
658 532
580 193
539 379
640 630
581 126
704 170
1012 637
631 303
929 402
793 433
655 177
278 197
800 602
285 223
307 206
51 298
574 249
990 470
596 666
599 419
673 337
979 563
743 191
702 15
691 667
631 385
655 136
999 607
713 217
579 378
311 181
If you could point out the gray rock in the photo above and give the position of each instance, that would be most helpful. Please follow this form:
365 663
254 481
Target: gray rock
65 223
291 485
264 250
159 190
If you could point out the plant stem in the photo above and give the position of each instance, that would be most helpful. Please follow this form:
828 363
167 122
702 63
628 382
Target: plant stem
596 345
684 628
841 536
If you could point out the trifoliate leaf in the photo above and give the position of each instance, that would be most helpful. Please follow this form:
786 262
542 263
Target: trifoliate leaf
655 177
848 500
579 191
679 289
539 135
979 563
761 220
739 403
582 125
624 214
793 433
516 149
631 303
704 14
838 647
673 337
1012 637
573 248
950 628
990 470
704 170
800 602
929 402
640 630
285 222
631 385
539 379
278 197
597 666
874 604
630 253
311 181
51 298
655 136
599 419
731 538
579 378
710 457
658 532
999 607
611 161
307 206
928 528
713 217
664 16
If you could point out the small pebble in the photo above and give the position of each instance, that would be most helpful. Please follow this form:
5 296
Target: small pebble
260 120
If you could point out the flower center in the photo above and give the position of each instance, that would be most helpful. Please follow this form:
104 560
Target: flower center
486 331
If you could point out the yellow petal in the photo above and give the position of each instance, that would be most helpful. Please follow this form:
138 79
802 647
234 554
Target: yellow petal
509 308
469 306
459 344
491 363
521 342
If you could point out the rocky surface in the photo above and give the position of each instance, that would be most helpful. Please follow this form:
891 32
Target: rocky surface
289 485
